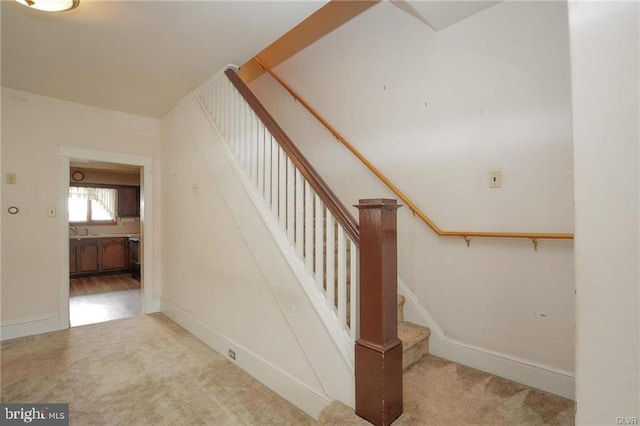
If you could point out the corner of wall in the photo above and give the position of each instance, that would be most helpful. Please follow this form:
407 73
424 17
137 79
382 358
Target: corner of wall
326 375
283 383
523 371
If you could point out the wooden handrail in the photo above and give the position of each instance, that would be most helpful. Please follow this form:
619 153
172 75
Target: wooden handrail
333 203
410 204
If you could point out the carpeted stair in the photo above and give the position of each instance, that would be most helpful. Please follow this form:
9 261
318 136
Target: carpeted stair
439 392
415 338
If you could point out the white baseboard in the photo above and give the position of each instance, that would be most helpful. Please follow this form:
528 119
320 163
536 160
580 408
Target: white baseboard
543 377
288 387
29 326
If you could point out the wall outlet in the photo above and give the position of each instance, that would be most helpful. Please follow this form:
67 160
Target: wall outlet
495 179
11 179
232 354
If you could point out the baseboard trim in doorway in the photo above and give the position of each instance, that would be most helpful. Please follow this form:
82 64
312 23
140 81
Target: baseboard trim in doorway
23 327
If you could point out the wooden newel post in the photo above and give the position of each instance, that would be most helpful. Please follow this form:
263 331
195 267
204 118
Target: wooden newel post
378 351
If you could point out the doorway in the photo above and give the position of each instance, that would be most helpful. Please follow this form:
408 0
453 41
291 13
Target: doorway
104 234
105 253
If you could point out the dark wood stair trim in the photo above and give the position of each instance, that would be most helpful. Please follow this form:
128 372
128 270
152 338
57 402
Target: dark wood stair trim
330 200
378 351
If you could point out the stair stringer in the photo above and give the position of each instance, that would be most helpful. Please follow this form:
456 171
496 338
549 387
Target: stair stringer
337 380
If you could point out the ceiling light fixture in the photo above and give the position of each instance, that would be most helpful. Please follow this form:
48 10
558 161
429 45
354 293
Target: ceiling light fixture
50 5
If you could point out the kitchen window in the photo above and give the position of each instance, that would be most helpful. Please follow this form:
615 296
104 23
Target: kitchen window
92 206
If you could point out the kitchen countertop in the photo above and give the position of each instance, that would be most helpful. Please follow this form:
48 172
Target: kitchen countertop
82 237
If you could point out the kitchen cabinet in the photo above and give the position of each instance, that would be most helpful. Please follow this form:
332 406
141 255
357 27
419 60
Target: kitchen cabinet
97 255
88 258
73 263
83 256
129 201
113 253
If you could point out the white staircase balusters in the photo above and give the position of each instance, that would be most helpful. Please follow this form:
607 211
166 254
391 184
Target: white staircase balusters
319 246
299 208
319 242
341 261
330 254
309 207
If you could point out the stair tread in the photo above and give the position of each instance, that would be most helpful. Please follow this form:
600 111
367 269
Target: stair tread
411 334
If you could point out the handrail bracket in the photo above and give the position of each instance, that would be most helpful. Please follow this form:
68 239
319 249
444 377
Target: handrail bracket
535 242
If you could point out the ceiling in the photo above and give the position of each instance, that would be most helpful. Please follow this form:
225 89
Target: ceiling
442 14
142 57
139 57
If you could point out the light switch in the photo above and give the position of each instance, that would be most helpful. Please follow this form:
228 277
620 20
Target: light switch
495 179
11 178
51 211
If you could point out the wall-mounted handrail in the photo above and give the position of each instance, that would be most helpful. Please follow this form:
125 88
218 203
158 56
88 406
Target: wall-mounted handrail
332 202
410 204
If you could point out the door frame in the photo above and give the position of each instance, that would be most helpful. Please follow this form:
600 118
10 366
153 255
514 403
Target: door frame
66 154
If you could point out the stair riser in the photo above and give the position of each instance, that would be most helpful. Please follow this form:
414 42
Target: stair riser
415 342
414 353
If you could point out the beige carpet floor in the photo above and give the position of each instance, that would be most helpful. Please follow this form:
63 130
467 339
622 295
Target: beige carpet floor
145 370
440 392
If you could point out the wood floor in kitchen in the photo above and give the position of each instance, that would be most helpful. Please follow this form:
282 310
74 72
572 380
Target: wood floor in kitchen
103 298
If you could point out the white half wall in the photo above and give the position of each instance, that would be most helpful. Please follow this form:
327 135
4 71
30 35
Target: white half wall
225 278
605 55
33 129
436 112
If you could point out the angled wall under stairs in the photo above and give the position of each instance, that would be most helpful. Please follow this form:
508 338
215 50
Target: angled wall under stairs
228 282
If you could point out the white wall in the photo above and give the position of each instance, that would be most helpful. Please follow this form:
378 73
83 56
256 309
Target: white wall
33 127
435 112
225 279
605 72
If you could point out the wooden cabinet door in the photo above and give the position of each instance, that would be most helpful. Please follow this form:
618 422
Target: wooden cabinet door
72 260
114 253
87 258
129 201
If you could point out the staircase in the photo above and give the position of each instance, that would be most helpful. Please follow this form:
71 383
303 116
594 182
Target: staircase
321 241
415 338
